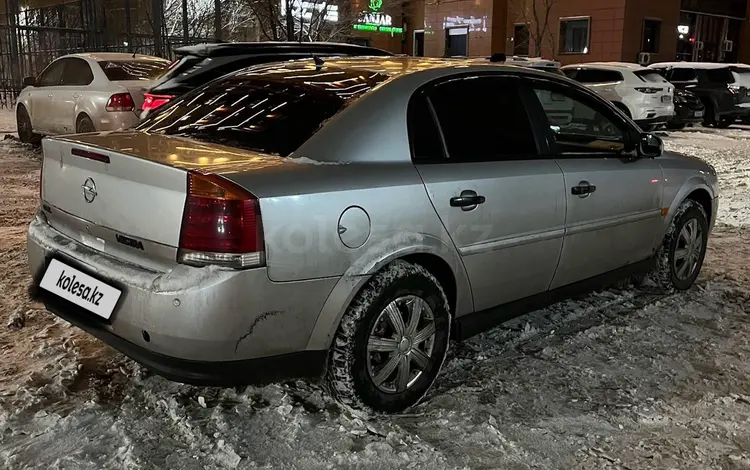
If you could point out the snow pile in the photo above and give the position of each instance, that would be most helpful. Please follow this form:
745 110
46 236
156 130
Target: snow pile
728 151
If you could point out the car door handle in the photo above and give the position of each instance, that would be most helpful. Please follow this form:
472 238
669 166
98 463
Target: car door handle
584 189
76 96
468 200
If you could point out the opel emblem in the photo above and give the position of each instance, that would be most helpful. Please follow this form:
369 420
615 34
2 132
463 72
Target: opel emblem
89 190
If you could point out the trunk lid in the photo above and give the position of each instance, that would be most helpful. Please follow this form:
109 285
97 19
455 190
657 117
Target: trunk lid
136 88
124 193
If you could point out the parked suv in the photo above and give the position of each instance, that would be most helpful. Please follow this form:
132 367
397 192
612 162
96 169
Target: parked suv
725 99
641 94
204 62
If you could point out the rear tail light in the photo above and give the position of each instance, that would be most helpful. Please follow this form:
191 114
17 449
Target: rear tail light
120 102
221 224
648 90
151 102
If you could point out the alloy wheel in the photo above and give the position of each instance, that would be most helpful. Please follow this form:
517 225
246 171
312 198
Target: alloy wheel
688 249
400 344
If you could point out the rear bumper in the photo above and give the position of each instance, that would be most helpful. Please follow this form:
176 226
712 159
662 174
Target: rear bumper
191 324
654 120
302 364
116 121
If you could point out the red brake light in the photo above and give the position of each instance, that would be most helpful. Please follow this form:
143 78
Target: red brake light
221 224
90 155
151 102
120 102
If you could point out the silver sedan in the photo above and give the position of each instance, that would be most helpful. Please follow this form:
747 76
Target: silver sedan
86 93
344 219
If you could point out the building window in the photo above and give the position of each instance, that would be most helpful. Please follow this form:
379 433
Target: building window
521 39
651 36
574 35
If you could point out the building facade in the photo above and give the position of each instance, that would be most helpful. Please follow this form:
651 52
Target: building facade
574 31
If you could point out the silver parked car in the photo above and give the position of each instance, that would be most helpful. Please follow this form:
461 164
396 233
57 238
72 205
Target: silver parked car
86 93
345 218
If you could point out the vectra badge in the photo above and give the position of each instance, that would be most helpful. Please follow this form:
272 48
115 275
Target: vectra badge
89 190
131 242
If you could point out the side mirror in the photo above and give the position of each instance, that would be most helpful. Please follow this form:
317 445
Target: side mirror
650 146
29 81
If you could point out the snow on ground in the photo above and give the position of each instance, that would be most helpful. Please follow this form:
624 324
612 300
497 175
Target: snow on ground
622 379
7 122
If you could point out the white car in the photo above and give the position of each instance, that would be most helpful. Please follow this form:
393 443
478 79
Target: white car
85 93
559 109
641 93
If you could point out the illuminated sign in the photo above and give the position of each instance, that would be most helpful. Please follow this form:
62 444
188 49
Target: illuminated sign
683 29
312 10
378 29
375 21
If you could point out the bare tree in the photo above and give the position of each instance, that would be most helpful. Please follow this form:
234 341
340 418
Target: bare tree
313 20
536 14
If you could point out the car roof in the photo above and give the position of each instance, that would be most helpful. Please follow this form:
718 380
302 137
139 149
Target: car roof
690 65
237 48
396 66
103 56
617 66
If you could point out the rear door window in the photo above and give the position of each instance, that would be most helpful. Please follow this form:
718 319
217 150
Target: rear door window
77 73
273 113
682 75
129 70
470 136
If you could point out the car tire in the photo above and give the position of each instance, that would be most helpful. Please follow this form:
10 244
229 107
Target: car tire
379 363
680 257
84 124
25 131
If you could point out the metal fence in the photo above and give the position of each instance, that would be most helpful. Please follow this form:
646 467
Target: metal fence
32 37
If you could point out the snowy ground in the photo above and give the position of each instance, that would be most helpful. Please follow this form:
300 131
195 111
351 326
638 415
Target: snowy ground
617 380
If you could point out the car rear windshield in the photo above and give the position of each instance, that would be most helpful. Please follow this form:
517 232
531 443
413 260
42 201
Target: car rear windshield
598 76
723 75
267 109
123 70
651 76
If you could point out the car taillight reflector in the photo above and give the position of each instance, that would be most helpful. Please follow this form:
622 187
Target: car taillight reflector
648 90
41 181
151 102
90 155
120 102
221 224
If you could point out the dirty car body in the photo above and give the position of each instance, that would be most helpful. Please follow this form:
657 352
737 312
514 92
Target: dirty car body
325 178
